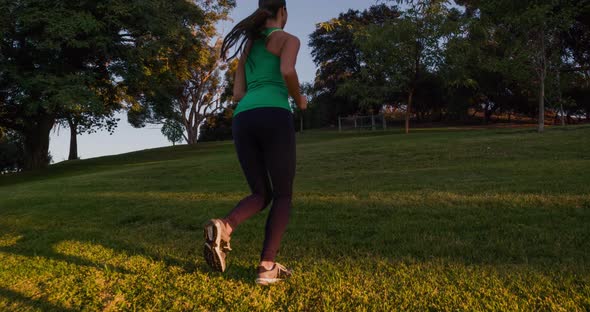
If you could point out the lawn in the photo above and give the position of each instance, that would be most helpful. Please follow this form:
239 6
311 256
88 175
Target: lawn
441 220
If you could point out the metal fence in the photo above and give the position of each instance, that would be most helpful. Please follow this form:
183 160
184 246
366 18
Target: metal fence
372 123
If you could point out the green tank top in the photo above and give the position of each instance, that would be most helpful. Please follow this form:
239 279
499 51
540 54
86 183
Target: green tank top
265 84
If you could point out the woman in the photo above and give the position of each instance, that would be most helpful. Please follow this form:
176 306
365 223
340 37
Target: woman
264 133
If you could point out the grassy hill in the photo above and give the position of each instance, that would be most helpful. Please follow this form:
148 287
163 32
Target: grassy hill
437 220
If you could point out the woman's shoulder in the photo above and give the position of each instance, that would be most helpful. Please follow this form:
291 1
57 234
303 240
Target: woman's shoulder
286 35
282 38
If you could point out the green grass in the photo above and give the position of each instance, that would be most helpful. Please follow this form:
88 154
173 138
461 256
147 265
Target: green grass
437 220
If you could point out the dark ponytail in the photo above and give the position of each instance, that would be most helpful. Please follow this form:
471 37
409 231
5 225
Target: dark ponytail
251 27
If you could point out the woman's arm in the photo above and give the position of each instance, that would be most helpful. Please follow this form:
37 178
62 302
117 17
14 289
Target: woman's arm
288 60
240 87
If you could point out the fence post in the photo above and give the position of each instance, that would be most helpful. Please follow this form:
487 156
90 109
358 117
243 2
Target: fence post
372 122
339 124
354 122
384 123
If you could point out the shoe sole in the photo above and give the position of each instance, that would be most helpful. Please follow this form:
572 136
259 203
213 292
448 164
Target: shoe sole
212 247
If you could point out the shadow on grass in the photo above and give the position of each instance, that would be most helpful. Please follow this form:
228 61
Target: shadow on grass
234 272
48 247
13 296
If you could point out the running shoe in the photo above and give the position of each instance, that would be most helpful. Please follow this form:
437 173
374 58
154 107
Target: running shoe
216 245
277 274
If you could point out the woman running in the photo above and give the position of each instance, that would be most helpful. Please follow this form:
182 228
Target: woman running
264 134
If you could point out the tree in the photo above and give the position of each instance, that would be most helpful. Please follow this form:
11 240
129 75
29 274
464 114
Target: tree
218 127
530 32
197 88
400 50
576 41
87 122
338 57
200 95
477 72
57 55
173 131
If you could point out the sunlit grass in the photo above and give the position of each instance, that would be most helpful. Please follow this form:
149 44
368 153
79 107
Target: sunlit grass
438 220
8 240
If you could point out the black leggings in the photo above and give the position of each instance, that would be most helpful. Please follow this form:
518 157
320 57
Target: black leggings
265 143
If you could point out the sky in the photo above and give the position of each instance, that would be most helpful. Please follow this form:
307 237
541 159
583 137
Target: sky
303 16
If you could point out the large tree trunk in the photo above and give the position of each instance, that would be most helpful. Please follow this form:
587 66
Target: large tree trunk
562 113
73 140
414 84
192 138
559 98
409 110
542 75
488 112
37 142
542 105
192 135
301 123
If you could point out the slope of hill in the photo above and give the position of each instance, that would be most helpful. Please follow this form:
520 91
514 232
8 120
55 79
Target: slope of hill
440 220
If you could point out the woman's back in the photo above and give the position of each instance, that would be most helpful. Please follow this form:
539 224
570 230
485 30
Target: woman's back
265 84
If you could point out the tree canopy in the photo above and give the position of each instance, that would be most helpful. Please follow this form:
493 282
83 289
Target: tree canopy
60 57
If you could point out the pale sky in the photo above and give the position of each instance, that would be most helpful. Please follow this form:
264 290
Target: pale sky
303 16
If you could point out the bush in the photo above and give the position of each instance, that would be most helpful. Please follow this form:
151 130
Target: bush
12 156
218 127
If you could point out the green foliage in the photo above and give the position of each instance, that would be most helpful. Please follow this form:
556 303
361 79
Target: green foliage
229 77
577 38
397 51
339 61
493 220
478 74
218 127
173 131
11 152
87 58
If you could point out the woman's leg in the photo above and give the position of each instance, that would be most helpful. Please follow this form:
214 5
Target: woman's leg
251 157
279 157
